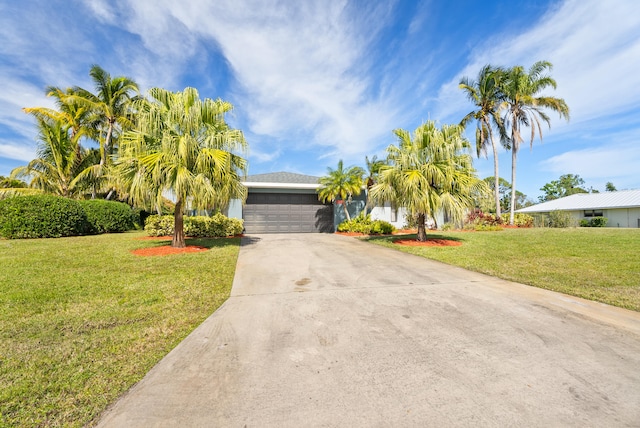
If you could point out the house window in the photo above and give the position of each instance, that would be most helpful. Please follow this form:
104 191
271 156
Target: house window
593 213
394 213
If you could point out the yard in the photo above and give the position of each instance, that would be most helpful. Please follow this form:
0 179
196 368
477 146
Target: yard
601 264
82 319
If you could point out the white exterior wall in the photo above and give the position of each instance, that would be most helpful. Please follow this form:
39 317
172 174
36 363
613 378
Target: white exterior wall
623 217
385 213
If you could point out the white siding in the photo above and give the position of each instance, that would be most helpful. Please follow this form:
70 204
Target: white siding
628 217
387 214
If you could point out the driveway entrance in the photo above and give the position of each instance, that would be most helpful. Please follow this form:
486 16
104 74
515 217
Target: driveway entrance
325 330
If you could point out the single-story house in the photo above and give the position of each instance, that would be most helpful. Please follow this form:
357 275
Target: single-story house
284 202
621 208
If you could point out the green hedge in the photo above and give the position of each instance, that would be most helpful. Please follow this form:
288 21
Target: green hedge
367 226
42 216
109 216
217 225
594 222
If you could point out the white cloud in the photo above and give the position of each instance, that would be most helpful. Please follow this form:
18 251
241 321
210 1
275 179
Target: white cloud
299 65
594 47
17 152
613 162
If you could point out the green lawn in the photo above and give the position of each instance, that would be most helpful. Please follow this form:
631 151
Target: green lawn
82 319
601 264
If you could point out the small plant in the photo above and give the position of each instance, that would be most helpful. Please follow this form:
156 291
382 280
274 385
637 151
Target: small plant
478 220
364 224
519 219
448 226
215 226
594 222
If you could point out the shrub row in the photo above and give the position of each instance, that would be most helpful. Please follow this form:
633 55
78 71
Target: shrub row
362 224
47 216
217 225
479 220
594 222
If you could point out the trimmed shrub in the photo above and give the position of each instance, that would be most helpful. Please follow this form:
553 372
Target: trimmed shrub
364 224
480 221
217 225
108 216
519 219
594 222
599 221
42 216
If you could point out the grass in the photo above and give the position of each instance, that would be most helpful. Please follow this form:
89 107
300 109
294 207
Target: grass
82 319
600 264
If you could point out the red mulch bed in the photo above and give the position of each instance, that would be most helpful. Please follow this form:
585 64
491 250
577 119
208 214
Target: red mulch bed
165 250
430 242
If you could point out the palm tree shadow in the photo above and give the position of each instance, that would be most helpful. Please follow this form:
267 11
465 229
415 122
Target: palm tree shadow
430 236
210 243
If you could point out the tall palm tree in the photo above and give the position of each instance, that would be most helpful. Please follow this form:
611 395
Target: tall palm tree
110 106
429 172
341 184
524 107
60 160
78 118
373 166
181 144
485 93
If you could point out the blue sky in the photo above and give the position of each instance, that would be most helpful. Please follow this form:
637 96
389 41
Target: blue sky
316 81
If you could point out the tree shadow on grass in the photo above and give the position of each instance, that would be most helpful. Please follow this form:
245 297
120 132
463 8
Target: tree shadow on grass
391 238
207 243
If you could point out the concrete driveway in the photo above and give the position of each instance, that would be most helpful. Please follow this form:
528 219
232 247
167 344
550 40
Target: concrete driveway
325 330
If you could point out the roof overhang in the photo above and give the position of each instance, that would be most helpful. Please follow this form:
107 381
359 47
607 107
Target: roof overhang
261 185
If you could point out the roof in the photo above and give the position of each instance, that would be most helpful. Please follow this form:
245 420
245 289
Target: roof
282 180
589 201
282 177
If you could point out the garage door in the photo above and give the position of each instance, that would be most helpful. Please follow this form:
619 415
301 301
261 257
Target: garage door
286 213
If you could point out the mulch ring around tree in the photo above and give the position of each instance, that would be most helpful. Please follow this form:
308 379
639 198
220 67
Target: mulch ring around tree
164 250
430 242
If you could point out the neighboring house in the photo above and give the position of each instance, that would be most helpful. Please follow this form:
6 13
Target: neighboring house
284 202
621 208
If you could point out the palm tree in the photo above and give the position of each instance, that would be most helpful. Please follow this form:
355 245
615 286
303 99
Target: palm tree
371 176
78 118
486 95
110 106
341 184
181 145
525 108
429 172
60 160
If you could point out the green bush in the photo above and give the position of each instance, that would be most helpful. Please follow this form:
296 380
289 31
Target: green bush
479 218
217 225
108 216
561 219
599 221
42 216
364 224
519 219
594 222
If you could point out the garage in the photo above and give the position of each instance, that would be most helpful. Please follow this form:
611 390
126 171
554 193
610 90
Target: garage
285 203
286 213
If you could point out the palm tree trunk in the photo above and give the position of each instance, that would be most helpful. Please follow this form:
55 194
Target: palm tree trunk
514 158
422 233
496 176
178 227
105 148
346 211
